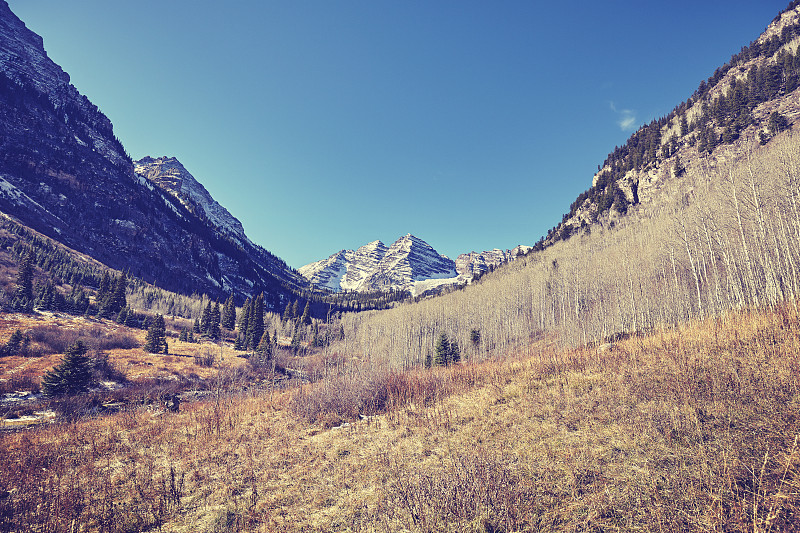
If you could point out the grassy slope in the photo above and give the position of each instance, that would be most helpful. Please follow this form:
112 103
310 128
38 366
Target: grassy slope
54 329
689 429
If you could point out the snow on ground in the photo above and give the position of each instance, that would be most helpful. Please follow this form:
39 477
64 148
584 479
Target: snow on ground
421 286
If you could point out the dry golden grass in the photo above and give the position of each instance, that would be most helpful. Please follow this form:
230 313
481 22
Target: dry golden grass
134 362
693 429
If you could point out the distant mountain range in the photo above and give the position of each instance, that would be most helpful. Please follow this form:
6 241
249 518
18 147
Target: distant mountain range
409 264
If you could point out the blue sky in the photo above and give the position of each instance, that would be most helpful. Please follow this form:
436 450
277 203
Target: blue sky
323 125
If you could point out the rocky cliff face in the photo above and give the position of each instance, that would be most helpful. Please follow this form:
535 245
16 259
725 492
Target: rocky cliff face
476 263
408 264
170 175
64 173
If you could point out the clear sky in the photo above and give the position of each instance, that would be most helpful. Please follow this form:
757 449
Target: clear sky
324 125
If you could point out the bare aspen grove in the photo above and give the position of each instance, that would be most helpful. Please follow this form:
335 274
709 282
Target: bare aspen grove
729 241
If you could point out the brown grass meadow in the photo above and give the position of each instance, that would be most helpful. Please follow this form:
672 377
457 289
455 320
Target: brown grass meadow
50 335
690 429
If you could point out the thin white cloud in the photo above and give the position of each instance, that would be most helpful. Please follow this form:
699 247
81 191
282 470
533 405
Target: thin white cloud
626 117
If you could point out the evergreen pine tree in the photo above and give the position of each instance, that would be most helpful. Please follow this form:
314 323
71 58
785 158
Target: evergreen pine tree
677 169
287 313
104 296
73 375
777 123
14 343
316 341
205 318
23 297
265 345
239 342
122 316
306 318
184 335
455 353
78 300
213 322
105 285
295 344
244 319
118 296
131 320
442 350
229 314
156 340
684 125
255 329
475 337
196 326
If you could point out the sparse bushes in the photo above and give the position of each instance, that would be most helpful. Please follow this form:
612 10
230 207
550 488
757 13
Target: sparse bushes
206 358
55 339
20 381
347 397
683 430
475 488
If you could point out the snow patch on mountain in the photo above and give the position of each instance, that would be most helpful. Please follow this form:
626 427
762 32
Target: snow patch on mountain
10 192
476 263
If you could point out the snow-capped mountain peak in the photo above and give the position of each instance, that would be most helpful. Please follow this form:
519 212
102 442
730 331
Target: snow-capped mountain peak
408 264
374 266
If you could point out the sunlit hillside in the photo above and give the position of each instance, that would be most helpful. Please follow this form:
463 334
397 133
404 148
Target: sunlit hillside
692 428
730 241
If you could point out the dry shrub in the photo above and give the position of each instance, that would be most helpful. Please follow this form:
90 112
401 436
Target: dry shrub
20 381
76 407
66 486
478 489
348 396
150 391
54 339
205 358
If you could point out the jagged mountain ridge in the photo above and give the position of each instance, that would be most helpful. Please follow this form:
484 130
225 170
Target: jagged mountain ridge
474 264
64 173
376 267
171 176
408 264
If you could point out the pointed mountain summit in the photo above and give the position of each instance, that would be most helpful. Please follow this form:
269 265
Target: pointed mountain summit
408 264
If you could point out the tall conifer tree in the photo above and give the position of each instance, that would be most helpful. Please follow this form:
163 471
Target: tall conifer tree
229 313
255 329
156 340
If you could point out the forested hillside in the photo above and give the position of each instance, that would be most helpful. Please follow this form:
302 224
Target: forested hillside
748 97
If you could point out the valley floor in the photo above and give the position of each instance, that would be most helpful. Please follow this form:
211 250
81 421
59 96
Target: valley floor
691 429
